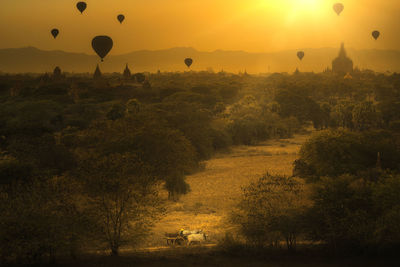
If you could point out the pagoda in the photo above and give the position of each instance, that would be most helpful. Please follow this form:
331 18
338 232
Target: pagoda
342 64
127 72
97 73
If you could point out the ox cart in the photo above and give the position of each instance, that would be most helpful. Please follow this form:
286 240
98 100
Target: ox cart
174 239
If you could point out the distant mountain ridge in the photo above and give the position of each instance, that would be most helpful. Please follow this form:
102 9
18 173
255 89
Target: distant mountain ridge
30 59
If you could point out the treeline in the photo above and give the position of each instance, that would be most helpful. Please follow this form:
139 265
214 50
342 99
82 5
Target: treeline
344 197
366 101
342 194
82 161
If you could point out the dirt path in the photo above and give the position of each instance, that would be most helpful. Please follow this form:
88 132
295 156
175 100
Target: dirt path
216 189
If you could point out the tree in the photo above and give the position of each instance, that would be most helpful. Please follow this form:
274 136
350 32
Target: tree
342 214
325 116
133 106
355 213
43 153
117 111
167 154
272 207
140 78
122 196
386 199
250 122
389 110
336 152
343 114
146 85
302 107
176 186
42 219
32 118
193 121
365 116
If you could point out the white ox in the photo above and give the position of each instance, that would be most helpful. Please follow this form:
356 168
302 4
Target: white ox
196 238
185 233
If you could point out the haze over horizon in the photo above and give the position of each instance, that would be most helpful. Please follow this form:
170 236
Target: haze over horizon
30 59
252 26
91 53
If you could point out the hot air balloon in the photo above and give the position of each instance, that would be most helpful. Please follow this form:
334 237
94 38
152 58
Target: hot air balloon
81 6
55 32
102 45
338 7
300 55
188 62
376 34
121 18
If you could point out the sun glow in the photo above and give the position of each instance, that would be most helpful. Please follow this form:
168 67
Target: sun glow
306 3
307 9
304 6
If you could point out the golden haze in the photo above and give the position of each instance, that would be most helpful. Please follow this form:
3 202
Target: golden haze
250 25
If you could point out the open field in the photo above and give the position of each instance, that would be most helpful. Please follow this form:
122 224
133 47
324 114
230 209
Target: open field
216 189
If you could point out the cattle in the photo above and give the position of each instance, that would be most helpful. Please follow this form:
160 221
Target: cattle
171 234
196 238
185 233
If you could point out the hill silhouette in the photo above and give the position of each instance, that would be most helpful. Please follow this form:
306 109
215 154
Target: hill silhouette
30 59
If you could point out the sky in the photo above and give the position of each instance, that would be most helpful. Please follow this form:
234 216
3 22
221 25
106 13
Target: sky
206 25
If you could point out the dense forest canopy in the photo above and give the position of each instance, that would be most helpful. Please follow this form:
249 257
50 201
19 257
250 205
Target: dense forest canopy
98 152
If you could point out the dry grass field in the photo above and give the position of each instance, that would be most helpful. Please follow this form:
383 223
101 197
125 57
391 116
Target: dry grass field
216 189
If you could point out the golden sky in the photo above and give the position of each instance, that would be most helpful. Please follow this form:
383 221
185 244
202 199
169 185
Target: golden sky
206 25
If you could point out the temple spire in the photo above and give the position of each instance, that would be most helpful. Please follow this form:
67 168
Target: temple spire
97 73
342 52
342 64
127 72
57 74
